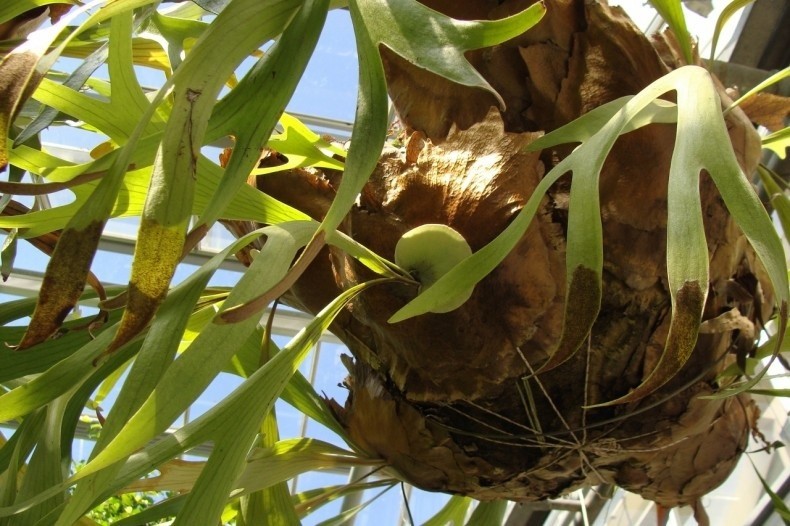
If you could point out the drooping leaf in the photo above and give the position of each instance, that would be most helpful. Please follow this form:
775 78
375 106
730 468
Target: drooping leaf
68 268
186 386
272 505
208 353
238 30
22 69
299 393
702 143
76 333
290 457
308 501
266 466
55 380
16 451
251 110
8 254
733 7
164 509
226 468
44 466
780 507
221 422
779 200
423 37
248 204
156 354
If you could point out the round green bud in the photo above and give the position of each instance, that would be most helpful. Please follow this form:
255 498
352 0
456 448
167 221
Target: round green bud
429 252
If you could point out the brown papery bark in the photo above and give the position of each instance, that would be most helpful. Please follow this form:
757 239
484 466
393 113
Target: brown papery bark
449 399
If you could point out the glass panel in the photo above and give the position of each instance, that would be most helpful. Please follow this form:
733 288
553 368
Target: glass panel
329 86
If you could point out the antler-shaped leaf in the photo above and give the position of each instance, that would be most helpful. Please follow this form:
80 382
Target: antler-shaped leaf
238 30
68 268
421 36
702 143
252 109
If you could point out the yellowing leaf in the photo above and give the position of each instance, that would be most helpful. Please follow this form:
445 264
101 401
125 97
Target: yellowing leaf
778 142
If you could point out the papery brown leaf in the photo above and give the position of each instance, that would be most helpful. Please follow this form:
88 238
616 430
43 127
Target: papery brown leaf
18 80
767 109
442 396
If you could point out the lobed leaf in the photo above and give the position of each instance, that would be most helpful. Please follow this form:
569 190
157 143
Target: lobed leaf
586 126
176 32
156 354
188 376
251 110
302 147
421 36
778 142
702 143
238 30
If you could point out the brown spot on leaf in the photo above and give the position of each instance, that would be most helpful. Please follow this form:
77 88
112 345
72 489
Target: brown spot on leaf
158 251
63 282
683 332
581 309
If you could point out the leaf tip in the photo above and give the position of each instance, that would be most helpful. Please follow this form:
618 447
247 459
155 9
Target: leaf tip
582 304
683 331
